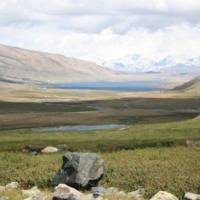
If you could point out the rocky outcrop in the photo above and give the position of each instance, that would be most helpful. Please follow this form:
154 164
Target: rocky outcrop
162 195
65 192
80 170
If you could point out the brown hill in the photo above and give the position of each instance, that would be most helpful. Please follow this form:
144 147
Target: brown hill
20 65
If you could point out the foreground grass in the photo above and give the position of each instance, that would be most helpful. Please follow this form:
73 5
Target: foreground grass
174 169
13 195
153 156
137 136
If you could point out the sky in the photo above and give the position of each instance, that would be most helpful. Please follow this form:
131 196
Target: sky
128 35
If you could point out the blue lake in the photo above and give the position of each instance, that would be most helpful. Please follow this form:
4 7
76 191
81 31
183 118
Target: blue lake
136 86
78 128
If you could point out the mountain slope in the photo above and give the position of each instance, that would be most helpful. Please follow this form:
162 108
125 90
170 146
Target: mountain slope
20 65
190 86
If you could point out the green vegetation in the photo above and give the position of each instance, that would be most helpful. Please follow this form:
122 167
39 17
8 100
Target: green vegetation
121 111
173 169
14 194
151 152
135 136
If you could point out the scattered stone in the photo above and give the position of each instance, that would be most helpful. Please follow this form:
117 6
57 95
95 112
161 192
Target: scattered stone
32 194
98 191
32 149
193 143
111 191
80 170
62 147
136 194
89 197
162 195
64 192
191 196
12 185
4 198
49 150
34 198
2 189
121 194
99 198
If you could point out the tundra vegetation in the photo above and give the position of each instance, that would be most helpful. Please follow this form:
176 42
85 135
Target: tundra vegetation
158 150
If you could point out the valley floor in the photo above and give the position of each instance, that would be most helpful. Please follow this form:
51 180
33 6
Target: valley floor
158 150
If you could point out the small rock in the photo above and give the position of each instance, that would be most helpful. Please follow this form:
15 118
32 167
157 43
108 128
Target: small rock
99 198
62 147
111 191
162 195
80 170
34 198
64 192
2 189
4 198
98 191
193 143
32 194
136 194
89 197
12 185
49 150
32 149
191 196
121 194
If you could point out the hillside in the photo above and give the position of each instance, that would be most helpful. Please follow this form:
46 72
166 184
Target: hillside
20 65
190 86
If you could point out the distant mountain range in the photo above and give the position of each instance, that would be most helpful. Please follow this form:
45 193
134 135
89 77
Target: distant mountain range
25 66
19 65
137 63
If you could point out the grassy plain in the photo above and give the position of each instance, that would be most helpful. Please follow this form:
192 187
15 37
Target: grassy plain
174 169
121 111
151 152
152 156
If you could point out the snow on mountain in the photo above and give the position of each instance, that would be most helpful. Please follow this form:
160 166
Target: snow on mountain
168 64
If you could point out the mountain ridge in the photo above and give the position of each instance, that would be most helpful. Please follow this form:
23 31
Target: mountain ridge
21 65
190 86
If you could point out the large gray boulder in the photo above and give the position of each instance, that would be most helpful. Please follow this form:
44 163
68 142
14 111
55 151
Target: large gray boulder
80 170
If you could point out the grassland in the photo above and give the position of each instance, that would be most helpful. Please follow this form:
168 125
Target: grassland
151 156
135 136
173 169
151 152
121 111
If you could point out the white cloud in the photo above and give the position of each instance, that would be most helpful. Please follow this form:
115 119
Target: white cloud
105 31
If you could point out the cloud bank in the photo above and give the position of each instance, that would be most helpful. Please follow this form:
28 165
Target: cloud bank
129 35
